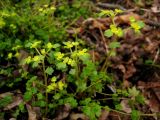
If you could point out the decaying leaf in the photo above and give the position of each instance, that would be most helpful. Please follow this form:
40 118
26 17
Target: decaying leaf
125 106
16 101
104 115
63 112
78 116
31 113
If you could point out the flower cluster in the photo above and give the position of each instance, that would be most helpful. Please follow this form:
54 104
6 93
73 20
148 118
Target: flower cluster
55 85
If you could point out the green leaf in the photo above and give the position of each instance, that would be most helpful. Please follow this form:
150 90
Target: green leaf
85 57
119 32
40 103
141 24
71 101
40 96
148 62
85 102
114 45
96 109
49 70
5 101
35 64
118 107
72 71
56 45
27 96
81 85
112 53
57 96
135 115
140 99
133 92
108 33
132 19
61 65
92 110
34 90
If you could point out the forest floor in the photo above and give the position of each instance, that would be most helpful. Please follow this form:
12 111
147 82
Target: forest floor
135 67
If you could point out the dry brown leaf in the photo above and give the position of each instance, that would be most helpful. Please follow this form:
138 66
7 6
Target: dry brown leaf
92 23
126 84
130 70
147 85
16 101
63 112
155 9
78 116
122 68
125 106
104 115
31 113
12 119
120 19
6 94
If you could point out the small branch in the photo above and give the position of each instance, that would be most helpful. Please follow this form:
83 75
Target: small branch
152 23
108 5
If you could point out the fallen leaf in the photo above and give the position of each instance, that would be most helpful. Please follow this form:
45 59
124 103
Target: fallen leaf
125 106
63 112
104 115
31 113
78 116
16 101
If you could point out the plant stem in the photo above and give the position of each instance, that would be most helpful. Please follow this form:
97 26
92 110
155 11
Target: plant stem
45 81
141 114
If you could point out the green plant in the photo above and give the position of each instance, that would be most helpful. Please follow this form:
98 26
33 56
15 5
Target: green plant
58 70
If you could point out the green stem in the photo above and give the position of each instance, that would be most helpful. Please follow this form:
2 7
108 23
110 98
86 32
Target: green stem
45 81
106 64
141 114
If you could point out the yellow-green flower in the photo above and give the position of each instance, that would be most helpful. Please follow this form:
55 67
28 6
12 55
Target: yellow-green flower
68 44
45 6
10 55
43 51
52 8
82 52
5 14
71 62
59 55
16 47
17 54
49 45
35 44
118 11
40 9
135 26
75 43
116 30
36 58
51 87
13 26
28 60
53 79
65 60
60 85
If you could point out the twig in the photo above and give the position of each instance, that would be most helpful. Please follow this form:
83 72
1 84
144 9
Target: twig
153 23
108 5
156 56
